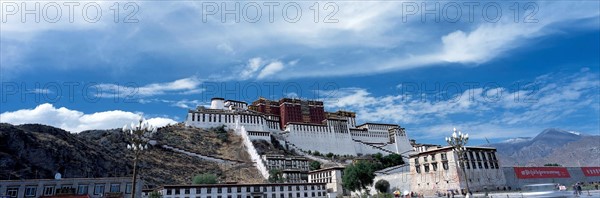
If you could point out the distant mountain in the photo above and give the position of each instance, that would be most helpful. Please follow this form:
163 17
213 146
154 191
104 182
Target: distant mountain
566 148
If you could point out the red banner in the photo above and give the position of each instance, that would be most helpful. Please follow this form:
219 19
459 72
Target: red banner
591 171
541 172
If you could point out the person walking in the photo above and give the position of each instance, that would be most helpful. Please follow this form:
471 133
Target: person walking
579 190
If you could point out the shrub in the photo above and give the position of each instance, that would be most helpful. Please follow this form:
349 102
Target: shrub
205 178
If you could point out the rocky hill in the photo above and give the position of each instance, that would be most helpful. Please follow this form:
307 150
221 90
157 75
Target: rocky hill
38 151
563 147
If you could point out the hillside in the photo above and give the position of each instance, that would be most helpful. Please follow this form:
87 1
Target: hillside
38 151
550 146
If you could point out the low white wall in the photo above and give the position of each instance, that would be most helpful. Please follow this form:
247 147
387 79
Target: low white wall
254 156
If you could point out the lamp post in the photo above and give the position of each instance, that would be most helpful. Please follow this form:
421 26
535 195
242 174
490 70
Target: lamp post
458 142
138 136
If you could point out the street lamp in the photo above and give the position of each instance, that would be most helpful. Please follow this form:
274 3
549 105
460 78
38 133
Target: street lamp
138 136
458 142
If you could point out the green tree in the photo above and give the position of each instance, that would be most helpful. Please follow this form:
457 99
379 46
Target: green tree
154 194
316 153
382 186
359 175
276 176
329 155
222 133
205 178
315 165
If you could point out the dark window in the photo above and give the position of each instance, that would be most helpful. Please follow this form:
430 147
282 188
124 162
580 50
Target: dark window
12 191
228 189
169 192
239 189
128 188
82 189
177 191
209 190
48 190
99 189
30 191
187 191
219 190
115 187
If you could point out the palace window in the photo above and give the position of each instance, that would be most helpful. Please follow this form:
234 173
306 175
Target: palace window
434 166
418 169
30 191
426 168
128 188
99 189
115 187
82 189
12 191
445 165
48 190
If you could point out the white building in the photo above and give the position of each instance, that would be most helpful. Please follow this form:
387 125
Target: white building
285 190
93 187
337 133
294 168
332 176
398 176
439 170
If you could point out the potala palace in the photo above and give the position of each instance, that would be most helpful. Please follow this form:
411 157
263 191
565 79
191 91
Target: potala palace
303 124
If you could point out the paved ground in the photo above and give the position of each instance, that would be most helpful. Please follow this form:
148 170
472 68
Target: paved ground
592 193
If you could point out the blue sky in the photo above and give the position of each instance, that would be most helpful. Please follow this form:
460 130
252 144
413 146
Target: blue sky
494 79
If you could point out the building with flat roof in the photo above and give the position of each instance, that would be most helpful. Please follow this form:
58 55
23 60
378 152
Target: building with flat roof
332 176
294 168
440 170
303 125
92 187
281 190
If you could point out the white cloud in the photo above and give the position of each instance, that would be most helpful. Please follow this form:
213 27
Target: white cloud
540 103
131 90
270 69
369 37
260 69
76 121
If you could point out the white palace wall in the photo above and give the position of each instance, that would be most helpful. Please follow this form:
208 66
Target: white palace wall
335 136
